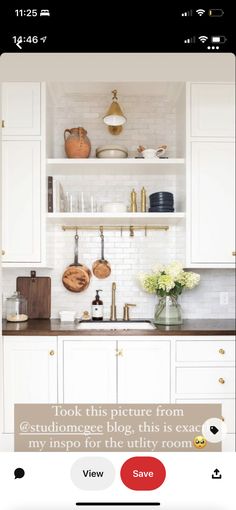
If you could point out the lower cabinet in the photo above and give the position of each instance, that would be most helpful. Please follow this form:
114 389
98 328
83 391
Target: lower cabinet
104 369
205 373
143 371
30 373
89 370
109 371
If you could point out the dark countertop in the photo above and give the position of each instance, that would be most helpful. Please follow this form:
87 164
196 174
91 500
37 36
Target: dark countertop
54 327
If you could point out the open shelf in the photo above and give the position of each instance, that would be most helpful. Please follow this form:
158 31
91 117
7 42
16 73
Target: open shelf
96 219
68 166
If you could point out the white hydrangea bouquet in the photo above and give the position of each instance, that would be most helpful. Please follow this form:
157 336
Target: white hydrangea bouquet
168 282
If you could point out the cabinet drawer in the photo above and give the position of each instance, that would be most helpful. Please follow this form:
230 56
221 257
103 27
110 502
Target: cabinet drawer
201 350
228 409
205 380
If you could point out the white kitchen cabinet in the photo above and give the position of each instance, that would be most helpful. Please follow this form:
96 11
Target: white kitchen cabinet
205 373
21 202
211 204
212 109
30 373
143 371
111 371
218 350
205 380
89 371
21 109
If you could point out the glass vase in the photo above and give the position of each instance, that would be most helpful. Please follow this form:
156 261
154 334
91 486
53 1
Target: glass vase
168 311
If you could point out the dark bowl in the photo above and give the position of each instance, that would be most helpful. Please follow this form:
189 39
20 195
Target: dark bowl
161 209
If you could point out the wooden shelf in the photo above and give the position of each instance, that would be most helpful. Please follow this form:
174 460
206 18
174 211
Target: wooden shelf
68 166
135 219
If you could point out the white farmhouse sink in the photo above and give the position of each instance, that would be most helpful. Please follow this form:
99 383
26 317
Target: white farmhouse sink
116 325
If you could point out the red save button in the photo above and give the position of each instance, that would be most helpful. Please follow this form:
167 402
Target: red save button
143 473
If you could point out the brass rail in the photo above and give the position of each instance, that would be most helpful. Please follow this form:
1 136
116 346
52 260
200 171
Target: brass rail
130 228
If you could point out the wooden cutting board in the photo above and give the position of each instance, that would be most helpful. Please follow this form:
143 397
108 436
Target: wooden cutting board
37 291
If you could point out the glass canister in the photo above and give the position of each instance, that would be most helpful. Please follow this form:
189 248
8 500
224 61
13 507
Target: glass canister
17 308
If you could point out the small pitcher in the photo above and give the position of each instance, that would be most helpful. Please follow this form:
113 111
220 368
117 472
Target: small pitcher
77 143
152 153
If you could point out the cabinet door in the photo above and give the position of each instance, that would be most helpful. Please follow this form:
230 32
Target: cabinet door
212 203
21 108
212 109
143 371
21 208
89 371
30 373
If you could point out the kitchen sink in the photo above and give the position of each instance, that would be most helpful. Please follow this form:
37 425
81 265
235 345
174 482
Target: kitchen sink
116 325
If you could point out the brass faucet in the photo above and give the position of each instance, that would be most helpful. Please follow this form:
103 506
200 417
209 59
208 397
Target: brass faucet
126 311
113 303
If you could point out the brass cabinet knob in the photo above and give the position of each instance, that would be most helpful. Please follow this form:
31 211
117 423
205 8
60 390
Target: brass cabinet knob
52 353
221 380
3 252
222 418
221 351
234 253
119 352
3 123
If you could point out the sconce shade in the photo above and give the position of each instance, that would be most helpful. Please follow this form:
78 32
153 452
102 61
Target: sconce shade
114 115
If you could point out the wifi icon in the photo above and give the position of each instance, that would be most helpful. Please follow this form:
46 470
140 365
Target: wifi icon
200 12
203 38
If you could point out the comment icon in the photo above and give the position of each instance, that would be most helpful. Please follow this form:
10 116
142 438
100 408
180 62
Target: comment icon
19 473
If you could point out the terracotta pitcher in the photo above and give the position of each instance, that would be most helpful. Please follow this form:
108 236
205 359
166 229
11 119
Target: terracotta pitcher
77 144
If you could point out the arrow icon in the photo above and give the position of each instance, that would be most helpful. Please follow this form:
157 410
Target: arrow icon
216 474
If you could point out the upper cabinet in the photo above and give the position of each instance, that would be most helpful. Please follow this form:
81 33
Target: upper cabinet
212 225
210 174
21 201
23 196
21 109
212 109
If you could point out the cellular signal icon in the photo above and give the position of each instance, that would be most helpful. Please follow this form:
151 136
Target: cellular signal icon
203 38
200 12
187 13
190 40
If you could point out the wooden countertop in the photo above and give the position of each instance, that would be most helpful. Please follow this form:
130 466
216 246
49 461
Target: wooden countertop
45 327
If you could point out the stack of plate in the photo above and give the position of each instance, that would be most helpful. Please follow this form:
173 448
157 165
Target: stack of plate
162 201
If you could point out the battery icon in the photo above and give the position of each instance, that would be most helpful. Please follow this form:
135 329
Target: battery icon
216 13
219 39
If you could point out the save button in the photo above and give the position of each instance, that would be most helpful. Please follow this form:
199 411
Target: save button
143 473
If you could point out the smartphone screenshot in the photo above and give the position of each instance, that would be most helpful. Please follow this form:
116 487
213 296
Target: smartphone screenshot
117 346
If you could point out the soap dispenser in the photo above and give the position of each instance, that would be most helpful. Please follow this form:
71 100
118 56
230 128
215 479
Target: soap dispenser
97 307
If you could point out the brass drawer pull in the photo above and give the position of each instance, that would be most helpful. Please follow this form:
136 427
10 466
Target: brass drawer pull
52 353
119 352
3 123
234 253
221 351
221 380
3 252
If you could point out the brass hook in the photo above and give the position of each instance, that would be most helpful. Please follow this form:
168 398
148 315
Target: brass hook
131 231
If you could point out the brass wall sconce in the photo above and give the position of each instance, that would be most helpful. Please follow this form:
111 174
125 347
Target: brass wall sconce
114 117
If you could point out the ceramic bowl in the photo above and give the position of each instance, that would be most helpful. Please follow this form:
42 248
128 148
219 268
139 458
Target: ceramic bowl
111 151
67 316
